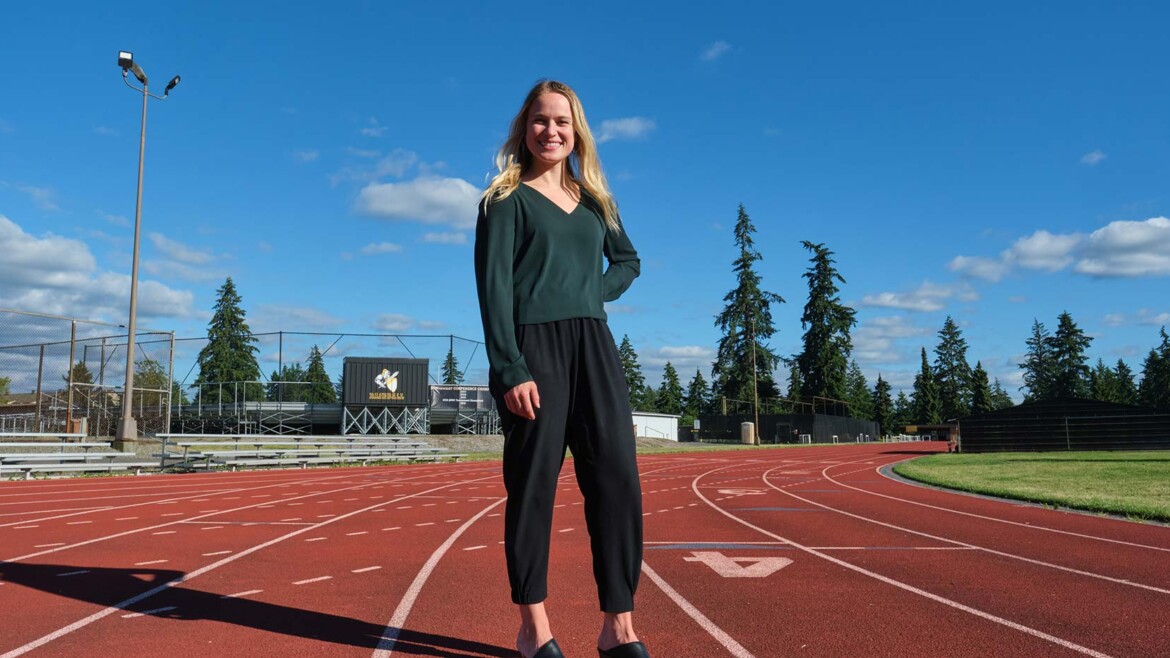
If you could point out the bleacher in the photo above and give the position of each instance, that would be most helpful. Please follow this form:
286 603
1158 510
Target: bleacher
25 453
232 451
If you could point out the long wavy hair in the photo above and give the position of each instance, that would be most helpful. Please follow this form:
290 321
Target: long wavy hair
514 158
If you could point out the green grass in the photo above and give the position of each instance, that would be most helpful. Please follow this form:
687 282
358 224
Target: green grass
1132 484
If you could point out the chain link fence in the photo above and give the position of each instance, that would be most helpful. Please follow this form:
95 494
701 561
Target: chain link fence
61 374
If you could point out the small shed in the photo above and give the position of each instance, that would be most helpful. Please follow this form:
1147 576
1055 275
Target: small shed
656 426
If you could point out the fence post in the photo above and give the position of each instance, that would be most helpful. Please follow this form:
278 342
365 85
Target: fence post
171 386
40 373
69 397
1067 441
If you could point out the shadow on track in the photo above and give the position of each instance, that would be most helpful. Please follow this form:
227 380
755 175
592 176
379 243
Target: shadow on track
108 587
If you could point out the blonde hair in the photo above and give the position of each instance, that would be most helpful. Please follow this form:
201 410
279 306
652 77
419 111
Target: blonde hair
514 158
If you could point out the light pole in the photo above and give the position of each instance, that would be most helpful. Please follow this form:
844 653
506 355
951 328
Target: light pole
128 427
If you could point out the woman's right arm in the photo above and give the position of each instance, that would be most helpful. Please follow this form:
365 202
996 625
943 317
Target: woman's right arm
495 239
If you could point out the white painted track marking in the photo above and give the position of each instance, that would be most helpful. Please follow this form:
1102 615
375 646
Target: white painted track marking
132 615
82 623
312 580
900 585
239 594
728 642
1012 556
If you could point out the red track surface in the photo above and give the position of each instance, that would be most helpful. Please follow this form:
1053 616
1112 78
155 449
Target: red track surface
407 560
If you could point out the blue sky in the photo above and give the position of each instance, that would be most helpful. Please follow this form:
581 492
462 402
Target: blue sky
996 162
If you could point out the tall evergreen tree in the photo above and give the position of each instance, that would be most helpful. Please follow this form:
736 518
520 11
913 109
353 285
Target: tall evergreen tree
80 374
152 386
634 379
903 412
824 361
227 364
1127 391
883 406
1154 390
1103 384
927 408
285 384
1070 364
1038 366
670 396
451 374
697 401
857 393
746 322
1000 399
794 383
319 387
952 372
982 398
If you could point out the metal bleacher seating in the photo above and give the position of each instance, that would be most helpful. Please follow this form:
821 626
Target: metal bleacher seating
25 453
209 451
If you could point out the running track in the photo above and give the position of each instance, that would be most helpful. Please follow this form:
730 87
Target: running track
812 551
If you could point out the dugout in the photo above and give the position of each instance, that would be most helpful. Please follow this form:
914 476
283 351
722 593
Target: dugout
384 395
788 428
1066 424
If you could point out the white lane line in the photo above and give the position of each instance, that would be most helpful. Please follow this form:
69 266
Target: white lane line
365 569
132 615
216 553
72 573
728 642
165 532
213 527
317 539
474 548
312 580
394 626
423 524
1013 556
25 527
239 594
175 514
896 583
394 528
77 522
82 623
566 530
49 545
354 534
143 564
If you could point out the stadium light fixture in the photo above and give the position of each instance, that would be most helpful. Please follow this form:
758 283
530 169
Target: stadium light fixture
128 426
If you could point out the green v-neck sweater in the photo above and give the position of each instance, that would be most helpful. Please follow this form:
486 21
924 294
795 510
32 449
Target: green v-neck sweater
536 263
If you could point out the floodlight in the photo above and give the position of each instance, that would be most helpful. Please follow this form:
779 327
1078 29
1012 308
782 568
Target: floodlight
171 85
125 59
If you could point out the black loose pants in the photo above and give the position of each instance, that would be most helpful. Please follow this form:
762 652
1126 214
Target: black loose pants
584 405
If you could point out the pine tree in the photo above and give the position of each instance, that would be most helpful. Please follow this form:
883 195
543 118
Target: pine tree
1000 399
982 397
670 396
824 361
152 385
1070 369
794 383
319 387
903 412
1127 390
451 374
284 385
952 373
927 409
1038 365
1154 390
1103 384
697 401
746 322
228 371
883 406
634 380
80 374
857 393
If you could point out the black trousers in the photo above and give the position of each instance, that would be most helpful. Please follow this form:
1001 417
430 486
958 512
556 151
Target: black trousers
584 405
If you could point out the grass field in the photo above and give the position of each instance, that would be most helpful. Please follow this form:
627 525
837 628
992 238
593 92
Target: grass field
1133 484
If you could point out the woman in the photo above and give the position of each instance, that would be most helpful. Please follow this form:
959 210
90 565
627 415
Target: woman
544 224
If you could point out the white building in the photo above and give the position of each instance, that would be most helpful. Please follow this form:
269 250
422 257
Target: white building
656 426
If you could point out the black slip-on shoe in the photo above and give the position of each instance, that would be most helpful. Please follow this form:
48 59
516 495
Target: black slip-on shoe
549 649
627 650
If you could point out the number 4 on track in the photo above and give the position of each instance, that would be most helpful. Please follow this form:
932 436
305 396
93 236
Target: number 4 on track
729 567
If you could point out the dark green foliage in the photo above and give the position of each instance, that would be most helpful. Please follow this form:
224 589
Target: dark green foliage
670 396
883 406
746 322
319 389
1038 366
794 383
1069 362
1103 384
1127 391
982 397
903 413
926 408
178 395
824 360
152 385
80 374
952 373
635 382
857 393
228 371
5 382
697 400
451 374
1000 399
285 385
1155 387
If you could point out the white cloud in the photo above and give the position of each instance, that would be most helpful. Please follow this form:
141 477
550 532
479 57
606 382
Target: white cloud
176 270
1043 251
396 163
445 238
874 340
1147 317
430 200
980 268
684 358
1114 319
178 251
279 317
116 220
380 248
306 155
373 129
41 196
1127 249
1093 158
610 307
715 51
624 128
398 323
105 130
927 297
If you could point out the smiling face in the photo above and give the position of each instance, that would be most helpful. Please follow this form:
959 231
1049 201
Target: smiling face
549 136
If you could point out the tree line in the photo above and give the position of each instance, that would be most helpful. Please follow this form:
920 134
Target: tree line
824 374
